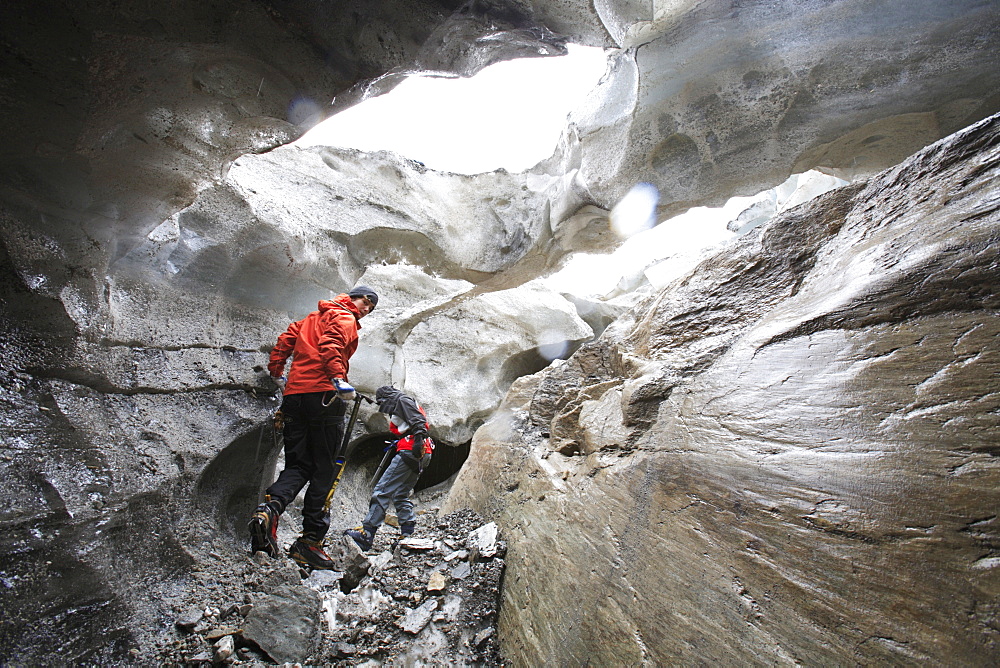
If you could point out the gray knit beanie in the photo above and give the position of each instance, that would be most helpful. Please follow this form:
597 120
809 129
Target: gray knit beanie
364 291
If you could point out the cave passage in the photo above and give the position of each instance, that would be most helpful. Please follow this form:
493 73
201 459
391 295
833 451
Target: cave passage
367 453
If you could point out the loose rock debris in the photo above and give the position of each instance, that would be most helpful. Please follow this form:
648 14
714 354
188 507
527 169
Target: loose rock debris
429 599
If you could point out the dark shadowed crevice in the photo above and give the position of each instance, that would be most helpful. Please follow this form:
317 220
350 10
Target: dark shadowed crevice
533 360
446 462
231 485
368 451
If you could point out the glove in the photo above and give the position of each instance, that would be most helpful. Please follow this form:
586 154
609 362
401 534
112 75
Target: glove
422 456
344 391
280 382
411 462
418 446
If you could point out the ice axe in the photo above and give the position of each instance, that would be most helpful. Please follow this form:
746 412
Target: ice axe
390 452
340 457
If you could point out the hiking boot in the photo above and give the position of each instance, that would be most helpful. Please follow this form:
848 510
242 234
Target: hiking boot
363 536
263 528
407 528
309 553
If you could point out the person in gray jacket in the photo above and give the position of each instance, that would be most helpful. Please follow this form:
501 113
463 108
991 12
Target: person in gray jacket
408 422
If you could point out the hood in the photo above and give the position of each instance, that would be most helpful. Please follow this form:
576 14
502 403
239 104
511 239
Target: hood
341 301
387 398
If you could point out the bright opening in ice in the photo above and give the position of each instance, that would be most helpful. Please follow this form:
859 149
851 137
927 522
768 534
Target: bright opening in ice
656 256
509 115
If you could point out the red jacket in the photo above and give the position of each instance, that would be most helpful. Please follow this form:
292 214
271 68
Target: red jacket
406 443
320 345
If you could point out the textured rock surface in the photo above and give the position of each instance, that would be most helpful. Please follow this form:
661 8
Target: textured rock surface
798 82
788 456
286 624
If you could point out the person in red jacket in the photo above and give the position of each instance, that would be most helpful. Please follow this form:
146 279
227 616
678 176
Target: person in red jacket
313 407
408 423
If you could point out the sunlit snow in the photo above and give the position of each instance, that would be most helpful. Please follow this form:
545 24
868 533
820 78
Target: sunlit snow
509 115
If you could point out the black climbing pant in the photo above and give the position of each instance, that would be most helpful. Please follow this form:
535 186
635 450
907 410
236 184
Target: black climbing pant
312 434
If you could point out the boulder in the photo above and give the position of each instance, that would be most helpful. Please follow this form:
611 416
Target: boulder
349 560
483 541
286 624
416 619
224 649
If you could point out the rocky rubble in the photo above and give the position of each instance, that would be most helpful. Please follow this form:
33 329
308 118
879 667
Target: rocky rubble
431 598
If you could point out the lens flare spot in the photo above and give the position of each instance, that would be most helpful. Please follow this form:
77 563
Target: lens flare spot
304 112
553 351
636 212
